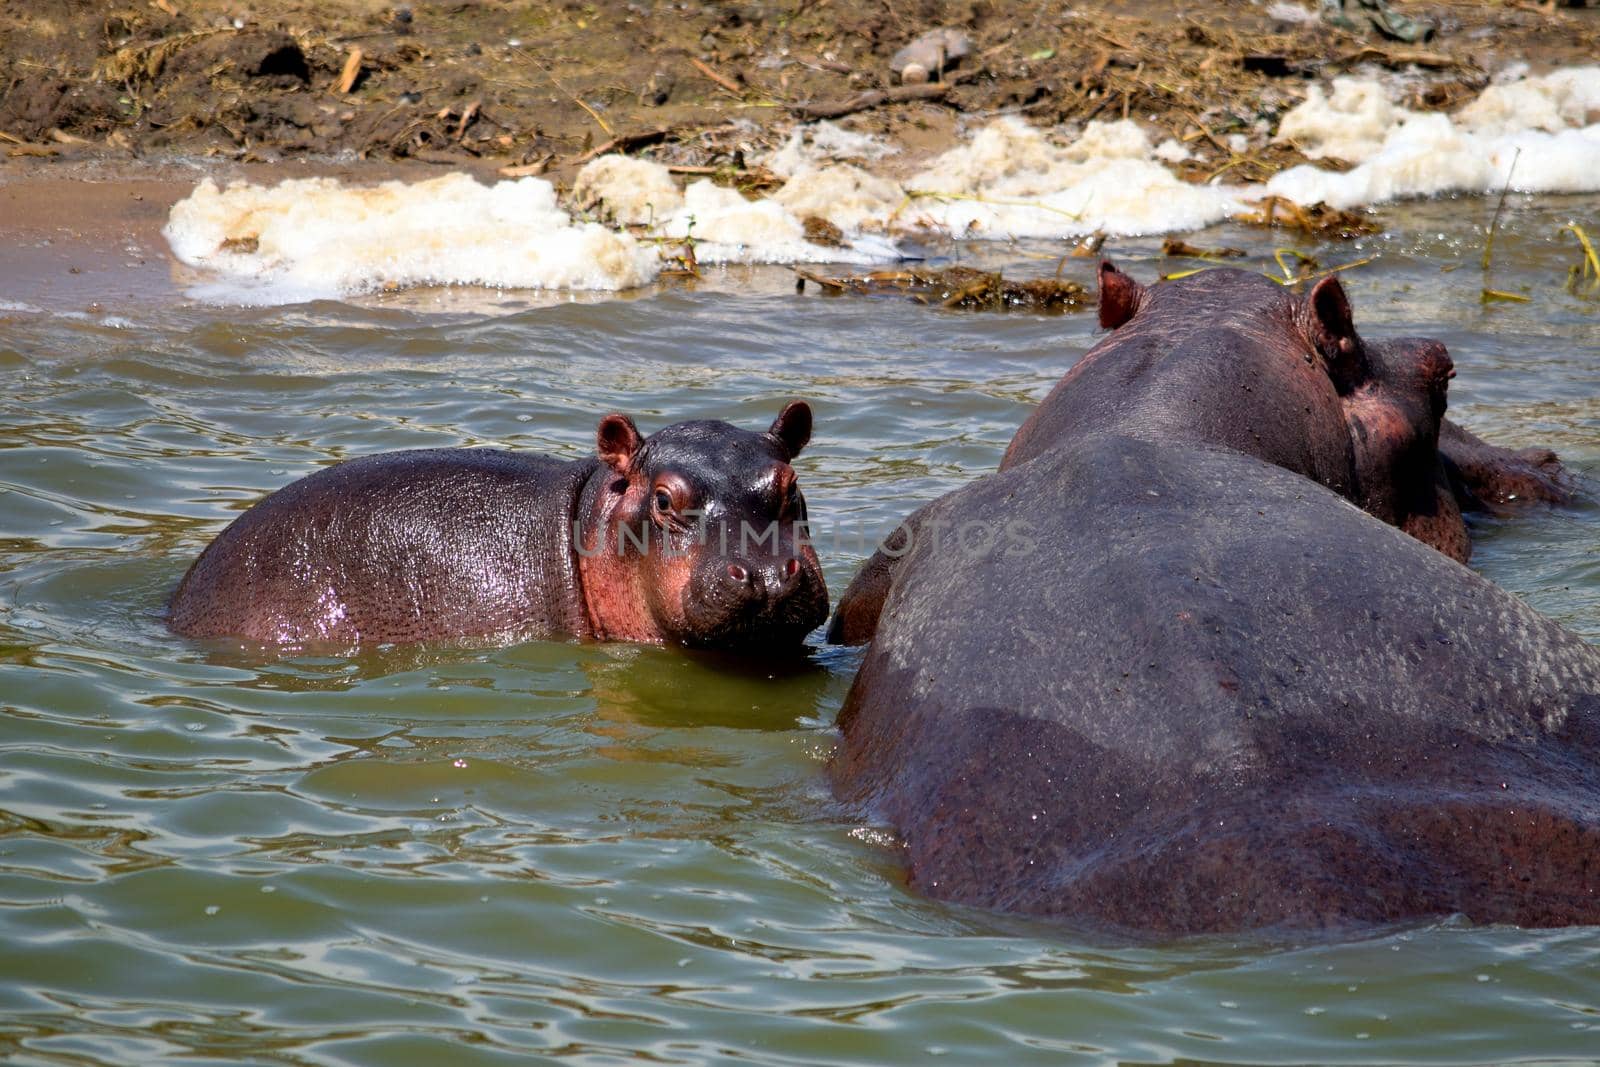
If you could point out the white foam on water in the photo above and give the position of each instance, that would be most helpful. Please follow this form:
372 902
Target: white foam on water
1559 100
317 238
1172 151
727 228
1351 123
633 191
847 196
817 145
1550 127
1010 181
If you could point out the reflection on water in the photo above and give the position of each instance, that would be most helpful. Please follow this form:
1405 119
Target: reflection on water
465 855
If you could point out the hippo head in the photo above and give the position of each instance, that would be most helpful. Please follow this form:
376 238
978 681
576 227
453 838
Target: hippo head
702 534
1329 326
1396 411
1389 395
1319 326
1395 419
1393 395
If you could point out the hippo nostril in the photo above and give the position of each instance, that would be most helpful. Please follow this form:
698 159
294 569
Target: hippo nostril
791 567
738 573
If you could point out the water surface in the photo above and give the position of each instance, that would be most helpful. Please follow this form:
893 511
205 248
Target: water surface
599 853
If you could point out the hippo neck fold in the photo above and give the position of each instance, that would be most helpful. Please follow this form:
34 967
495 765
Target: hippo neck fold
613 600
565 602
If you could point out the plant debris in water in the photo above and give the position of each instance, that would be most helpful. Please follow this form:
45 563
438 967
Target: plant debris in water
819 231
957 288
1583 277
1318 220
1178 247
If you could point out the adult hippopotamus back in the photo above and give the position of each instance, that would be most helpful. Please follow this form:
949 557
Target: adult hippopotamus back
1175 689
689 536
1223 357
1229 358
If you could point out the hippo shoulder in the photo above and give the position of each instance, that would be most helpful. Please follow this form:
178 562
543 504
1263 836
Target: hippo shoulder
1186 668
1189 570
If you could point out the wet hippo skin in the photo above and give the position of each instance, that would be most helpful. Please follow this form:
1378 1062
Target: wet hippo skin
1486 477
1230 358
1208 694
642 543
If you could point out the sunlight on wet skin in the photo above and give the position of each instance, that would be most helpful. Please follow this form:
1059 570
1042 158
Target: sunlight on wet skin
475 854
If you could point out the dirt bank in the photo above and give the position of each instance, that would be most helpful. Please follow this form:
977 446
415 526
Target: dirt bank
530 87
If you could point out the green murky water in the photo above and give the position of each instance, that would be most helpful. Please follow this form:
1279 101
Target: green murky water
606 853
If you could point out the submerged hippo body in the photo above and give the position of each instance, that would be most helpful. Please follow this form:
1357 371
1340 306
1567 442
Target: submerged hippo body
1228 358
642 543
1185 690
1489 478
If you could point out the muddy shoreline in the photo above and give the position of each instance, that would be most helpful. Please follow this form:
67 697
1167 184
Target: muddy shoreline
539 87
110 115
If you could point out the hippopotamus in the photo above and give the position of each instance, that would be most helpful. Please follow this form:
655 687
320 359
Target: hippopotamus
1231 358
1166 687
693 536
1489 478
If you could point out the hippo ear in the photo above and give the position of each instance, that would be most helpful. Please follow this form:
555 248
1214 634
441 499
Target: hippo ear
1120 296
617 442
1333 328
792 428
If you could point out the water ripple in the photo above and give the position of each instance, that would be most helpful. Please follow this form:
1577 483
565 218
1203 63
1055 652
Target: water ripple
613 853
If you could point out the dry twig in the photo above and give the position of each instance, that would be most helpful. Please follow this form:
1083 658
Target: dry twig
876 98
727 83
352 71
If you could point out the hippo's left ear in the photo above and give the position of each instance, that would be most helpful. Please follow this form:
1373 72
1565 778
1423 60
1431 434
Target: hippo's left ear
1120 296
617 442
792 428
1333 329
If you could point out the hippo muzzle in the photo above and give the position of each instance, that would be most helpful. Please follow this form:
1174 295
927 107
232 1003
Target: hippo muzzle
755 597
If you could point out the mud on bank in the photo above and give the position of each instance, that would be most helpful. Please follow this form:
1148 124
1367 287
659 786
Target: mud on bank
529 87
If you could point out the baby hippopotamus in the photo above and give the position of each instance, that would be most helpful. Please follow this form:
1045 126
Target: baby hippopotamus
692 536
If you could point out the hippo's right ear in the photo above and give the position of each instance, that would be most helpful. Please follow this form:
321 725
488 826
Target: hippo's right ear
617 442
1333 327
792 428
1120 296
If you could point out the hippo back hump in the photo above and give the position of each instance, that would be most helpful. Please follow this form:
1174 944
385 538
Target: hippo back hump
1217 359
400 546
1197 644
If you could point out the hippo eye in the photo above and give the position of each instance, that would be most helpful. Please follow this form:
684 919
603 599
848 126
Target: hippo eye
663 501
